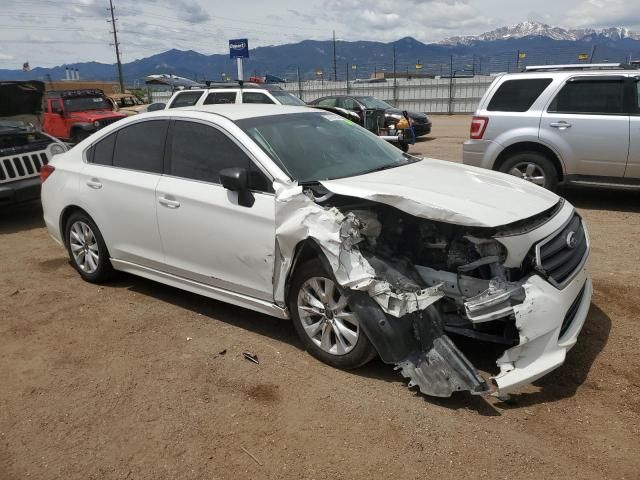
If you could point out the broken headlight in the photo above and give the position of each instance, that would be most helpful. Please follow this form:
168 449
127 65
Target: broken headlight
495 302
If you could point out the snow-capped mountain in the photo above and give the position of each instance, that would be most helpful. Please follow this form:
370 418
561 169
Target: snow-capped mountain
538 29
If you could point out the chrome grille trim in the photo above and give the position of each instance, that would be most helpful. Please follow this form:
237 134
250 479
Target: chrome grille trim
558 256
20 166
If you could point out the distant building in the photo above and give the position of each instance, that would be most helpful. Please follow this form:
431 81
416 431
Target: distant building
105 86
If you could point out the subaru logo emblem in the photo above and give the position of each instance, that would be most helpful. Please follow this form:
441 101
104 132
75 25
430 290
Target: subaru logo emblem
571 240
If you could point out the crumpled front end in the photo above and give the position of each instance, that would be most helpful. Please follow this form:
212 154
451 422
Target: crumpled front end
414 282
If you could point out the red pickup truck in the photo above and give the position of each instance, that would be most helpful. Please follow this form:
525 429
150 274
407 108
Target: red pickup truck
73 115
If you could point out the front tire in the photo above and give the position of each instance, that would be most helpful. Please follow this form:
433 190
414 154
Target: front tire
533 167
329 330
87 251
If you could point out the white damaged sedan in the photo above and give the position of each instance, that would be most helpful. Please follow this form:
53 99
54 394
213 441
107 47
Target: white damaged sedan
301 214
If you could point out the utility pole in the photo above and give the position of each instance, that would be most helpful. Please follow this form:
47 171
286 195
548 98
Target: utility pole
451 74
335 65
518 61
395 79
348 78
116 44
299 84
593 52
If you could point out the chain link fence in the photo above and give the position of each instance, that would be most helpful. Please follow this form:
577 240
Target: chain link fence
430 95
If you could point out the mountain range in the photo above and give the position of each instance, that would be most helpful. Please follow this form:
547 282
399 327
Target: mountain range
538 29
503 49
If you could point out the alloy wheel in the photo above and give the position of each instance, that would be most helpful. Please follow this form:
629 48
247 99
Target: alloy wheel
326 317
84 247
529 171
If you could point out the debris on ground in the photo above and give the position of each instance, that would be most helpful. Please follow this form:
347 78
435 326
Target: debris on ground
252 357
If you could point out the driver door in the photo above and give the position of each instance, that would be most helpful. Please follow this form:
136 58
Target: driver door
54 122
207 236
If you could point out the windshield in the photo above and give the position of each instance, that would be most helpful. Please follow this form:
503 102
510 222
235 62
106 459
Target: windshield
373 102
311 146
286 98
78 104
126 102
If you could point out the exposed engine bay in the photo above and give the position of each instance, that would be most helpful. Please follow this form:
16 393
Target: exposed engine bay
413 281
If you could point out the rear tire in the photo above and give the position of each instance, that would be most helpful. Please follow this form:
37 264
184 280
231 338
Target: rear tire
323 321
534 167
87 251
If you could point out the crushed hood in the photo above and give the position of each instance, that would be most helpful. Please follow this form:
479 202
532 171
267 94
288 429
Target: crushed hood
449 192
21 98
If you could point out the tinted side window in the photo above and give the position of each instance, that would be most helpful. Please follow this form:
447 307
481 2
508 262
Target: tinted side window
199 152
102 152
185 99
328 102
517 95
220 97
141 146
637 96
349 104
255 97
595 97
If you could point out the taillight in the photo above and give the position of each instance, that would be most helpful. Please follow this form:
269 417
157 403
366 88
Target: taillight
45 171
478 126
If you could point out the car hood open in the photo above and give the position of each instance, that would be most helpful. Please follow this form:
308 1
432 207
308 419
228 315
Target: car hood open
21 98
449 192
20 105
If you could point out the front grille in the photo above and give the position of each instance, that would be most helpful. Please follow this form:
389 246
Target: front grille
17 167
562 254
571 313
107 121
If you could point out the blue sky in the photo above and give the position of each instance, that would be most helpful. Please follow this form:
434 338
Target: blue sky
54 32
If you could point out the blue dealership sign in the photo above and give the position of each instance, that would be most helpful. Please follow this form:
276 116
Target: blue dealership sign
239 48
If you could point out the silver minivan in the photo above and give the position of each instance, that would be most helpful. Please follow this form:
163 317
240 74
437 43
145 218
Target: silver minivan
576 124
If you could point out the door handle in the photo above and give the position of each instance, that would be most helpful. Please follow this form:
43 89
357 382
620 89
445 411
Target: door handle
561 125
167 202
94 183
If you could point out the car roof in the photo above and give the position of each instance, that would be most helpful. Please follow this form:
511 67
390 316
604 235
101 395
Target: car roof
246 110
570 73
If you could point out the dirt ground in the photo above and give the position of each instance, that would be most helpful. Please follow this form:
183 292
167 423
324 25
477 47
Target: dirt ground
136 380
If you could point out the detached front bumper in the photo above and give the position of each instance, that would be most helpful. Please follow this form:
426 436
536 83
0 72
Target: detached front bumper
549 321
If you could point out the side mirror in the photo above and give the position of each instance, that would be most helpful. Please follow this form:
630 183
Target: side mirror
57 110
237 180
156 106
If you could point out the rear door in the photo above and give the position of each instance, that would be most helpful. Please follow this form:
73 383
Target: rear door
633 165
207 236
119 190
587 123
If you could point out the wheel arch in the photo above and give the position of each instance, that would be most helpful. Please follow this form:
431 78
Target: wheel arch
64 218
527 147
307 249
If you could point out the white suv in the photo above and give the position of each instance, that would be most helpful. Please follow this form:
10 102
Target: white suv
225 93
575 124
301 214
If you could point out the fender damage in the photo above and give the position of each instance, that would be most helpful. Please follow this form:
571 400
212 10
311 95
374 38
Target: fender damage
413 280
